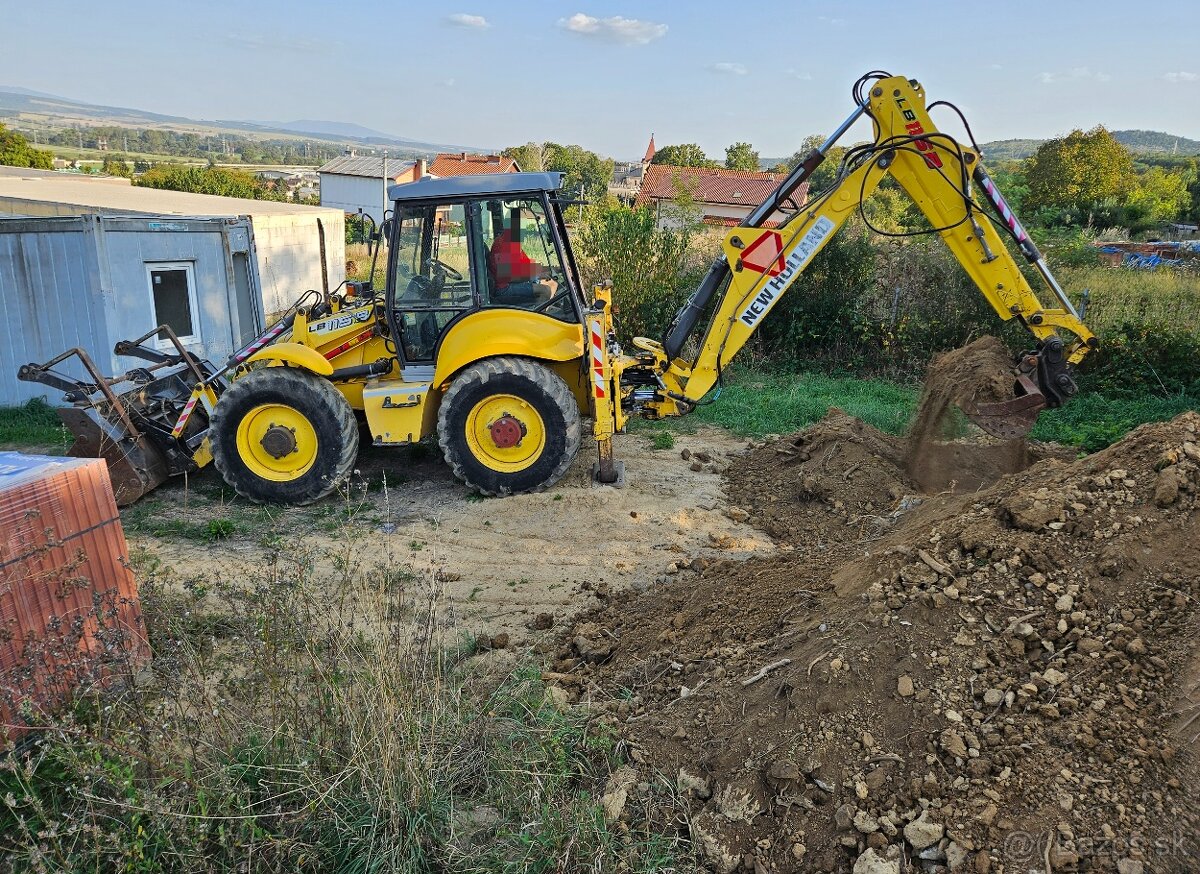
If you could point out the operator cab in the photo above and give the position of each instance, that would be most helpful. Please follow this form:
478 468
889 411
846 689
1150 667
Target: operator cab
461 244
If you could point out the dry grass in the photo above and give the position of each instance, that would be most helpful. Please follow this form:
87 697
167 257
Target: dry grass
317 713
1159 298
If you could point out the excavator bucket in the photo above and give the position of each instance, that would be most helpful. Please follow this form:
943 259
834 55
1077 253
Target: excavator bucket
1012 418
980 380
135 465
146 424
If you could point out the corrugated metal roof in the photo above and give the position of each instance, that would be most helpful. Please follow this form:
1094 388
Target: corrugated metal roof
370 166
89 197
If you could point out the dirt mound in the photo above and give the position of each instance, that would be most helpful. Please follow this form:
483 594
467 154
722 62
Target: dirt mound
841 473
993 681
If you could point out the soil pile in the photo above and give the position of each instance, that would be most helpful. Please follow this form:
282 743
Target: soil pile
998 680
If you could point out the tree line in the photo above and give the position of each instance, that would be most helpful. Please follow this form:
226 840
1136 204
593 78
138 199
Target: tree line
1086 179
222 147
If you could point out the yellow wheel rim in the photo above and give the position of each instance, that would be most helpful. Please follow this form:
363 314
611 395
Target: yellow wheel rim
277 442
505 433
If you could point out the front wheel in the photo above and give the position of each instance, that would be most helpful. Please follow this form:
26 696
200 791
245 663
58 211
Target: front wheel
509 426
281 435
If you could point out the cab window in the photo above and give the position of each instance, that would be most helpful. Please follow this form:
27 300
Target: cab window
522 267
432 275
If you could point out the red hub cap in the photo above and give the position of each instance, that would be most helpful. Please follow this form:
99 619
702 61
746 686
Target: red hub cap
506 431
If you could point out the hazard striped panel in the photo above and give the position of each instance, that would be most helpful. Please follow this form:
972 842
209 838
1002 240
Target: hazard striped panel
598 380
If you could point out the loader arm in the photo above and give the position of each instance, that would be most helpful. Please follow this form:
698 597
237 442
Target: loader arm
759 264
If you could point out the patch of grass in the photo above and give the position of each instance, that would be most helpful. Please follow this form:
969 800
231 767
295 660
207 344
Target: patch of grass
33 424
662 440
756 403
143 518
1093 421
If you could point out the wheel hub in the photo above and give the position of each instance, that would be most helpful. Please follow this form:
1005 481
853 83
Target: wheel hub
507 431
279 441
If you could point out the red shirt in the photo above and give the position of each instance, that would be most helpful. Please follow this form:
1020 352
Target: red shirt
508 262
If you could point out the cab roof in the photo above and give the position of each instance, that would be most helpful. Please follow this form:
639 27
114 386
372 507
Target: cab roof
453 187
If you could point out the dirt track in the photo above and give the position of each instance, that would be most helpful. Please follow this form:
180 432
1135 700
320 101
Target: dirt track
501 563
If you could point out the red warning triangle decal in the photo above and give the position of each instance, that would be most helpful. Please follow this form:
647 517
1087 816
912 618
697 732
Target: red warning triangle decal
765 255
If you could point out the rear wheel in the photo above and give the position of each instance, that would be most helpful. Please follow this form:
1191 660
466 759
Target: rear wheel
281 435
508 426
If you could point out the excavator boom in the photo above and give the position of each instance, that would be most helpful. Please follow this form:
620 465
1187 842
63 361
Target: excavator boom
758 264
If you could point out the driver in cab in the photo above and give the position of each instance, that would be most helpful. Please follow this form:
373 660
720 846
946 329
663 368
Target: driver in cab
516 278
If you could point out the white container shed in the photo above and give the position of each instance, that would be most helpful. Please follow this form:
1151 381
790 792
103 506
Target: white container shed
87 264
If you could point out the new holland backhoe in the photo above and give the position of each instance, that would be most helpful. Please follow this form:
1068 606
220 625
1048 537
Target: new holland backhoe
484 337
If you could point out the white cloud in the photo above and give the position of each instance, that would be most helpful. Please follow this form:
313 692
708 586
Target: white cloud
462 19
997 66
835 22
629 31
1075 74
1182 76
729 69
796 74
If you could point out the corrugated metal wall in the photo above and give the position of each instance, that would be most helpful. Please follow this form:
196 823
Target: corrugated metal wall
82 282
50 289
130 245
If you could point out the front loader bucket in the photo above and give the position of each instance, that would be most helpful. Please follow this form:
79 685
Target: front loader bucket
135 465
1013 418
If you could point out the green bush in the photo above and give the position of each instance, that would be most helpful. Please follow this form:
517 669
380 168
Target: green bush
1144 360
653 270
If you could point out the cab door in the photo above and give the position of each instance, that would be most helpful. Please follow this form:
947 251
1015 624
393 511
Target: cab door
434 280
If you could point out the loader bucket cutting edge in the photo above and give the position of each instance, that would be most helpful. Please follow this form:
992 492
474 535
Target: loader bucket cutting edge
135 465
1013 418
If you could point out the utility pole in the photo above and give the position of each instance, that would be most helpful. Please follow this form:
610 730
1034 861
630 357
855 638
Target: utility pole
385 182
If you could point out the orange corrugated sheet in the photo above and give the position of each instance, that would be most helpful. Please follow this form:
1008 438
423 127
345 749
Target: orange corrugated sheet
69 611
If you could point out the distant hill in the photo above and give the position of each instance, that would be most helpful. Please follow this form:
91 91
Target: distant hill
336 128
24 107
1145 142
28 92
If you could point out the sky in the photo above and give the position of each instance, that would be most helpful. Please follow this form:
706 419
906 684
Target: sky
606 75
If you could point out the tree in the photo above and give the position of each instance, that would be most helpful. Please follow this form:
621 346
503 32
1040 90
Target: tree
582 170
530 157
684 155
1157 196
741 156
825 173
1078 171
116 166
207 180
15 151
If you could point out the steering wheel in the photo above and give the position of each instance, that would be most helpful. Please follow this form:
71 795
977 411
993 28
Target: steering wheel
445 268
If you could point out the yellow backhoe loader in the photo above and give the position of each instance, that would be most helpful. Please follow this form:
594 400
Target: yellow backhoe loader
483 334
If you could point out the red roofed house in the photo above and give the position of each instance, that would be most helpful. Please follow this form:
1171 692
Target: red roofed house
723 197
466 164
